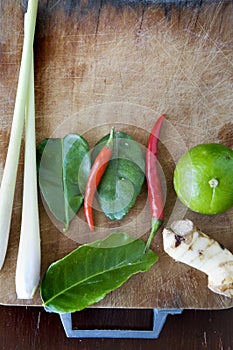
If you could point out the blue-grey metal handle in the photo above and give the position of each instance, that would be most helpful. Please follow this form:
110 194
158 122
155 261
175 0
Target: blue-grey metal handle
159 318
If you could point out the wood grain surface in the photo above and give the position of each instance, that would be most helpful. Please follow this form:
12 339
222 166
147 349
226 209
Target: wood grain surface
104 63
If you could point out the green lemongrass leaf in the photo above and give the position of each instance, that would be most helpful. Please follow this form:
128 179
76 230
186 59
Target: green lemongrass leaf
63 167
28 264
87 274
8 183
123 178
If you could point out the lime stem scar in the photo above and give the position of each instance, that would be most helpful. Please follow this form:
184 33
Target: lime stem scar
213 183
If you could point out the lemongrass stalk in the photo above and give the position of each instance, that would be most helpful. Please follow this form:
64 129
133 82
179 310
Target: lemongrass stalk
29 255
7 189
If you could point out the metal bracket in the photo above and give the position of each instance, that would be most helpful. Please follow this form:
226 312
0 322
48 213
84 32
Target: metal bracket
159 318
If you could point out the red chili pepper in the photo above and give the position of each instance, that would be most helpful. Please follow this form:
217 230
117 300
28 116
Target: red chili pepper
155 193
97 171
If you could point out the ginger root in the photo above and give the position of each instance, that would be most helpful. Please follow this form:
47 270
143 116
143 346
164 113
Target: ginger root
186 243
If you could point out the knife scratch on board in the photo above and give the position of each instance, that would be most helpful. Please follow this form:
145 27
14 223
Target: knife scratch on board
54 5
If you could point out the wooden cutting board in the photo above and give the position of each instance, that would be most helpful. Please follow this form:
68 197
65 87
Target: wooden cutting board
104 63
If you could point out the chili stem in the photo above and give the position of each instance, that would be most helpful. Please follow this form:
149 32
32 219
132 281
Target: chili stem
156 223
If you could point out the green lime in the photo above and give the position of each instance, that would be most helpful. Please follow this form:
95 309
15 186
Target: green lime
203 178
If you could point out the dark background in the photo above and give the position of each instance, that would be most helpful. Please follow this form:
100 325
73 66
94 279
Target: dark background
33 328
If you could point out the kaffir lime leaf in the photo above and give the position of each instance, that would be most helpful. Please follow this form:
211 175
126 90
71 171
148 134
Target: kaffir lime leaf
203 178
